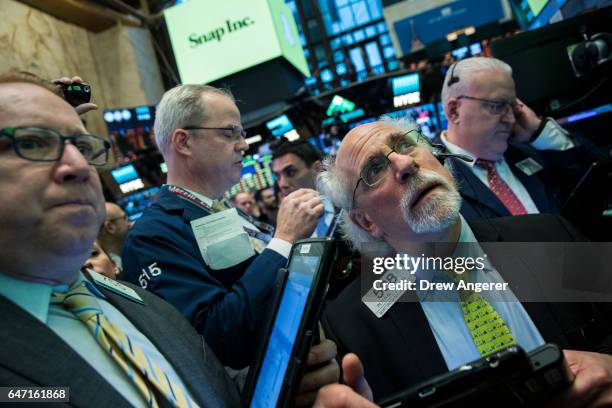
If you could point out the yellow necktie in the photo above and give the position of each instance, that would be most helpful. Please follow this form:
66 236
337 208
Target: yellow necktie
218 206
140 368
489 331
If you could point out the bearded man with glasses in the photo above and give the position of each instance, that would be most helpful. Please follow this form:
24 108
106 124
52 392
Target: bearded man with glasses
399 199
522 164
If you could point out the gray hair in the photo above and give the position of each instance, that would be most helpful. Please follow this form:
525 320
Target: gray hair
463 70
332 183
181 106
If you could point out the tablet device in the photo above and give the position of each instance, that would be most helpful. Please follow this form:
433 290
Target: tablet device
276 374
508 378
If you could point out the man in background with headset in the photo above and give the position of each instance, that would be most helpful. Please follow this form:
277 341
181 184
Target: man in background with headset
521 161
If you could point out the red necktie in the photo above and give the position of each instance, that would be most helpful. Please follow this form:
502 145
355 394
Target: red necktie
501 189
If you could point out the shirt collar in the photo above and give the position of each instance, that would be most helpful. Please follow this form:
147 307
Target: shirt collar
34 297
453 148
470 248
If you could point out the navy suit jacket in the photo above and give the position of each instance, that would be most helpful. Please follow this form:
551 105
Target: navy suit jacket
227 306
548 188
32 355
480 202
399 349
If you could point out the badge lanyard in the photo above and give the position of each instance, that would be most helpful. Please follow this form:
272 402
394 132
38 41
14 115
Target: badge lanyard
267 229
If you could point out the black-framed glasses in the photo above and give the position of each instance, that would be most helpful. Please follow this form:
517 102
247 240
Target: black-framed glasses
42 144
377 166
495 107
233 133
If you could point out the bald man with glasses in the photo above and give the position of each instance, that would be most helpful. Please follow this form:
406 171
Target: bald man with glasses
522 164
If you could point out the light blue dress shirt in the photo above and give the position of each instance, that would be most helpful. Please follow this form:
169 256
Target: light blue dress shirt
326 219
35 298
446 318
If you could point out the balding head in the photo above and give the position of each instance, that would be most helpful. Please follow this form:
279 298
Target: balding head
394 188
50 211
115 229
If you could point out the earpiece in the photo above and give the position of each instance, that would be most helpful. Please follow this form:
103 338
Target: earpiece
441 154
453 79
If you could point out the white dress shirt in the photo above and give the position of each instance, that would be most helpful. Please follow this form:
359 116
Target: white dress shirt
552 137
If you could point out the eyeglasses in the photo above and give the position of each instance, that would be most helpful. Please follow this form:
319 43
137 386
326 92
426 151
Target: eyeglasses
41 144
377 166
494 107
232 133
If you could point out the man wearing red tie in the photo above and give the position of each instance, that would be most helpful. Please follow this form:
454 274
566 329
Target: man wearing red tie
522 161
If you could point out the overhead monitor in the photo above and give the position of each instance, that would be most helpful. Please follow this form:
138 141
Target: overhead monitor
424 116
476 49
406 89
340 105
460 53
130 130
256 174
212 40
127 178
134 204
279 126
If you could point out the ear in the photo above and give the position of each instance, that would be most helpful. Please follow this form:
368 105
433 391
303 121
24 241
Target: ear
110 227
366 223
181 142
453 110
316 166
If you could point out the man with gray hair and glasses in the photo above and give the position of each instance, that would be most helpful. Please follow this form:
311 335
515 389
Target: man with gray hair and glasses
217 266
522 163
396 192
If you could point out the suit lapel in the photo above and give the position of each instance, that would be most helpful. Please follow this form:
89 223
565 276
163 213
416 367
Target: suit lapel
533 184
472 189
33 351
419 342
539 312
172 346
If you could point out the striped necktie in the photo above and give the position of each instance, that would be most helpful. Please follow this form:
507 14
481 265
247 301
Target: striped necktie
489 331
141 369
218 206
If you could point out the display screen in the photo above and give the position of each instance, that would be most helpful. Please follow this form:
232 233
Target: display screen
302 271
131 130
135 204
460 53
256 174
406 90
405 84
124 174
279 126
340 105
211 41
442 117
532 14
476 49
424 116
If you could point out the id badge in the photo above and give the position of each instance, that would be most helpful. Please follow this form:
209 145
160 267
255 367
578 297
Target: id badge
222 240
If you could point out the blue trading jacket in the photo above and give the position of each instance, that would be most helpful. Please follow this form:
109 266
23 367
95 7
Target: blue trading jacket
226 306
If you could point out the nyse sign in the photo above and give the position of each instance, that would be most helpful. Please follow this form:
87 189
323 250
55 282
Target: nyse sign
230 26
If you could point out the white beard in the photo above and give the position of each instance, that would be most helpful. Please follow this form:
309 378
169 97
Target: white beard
441 209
